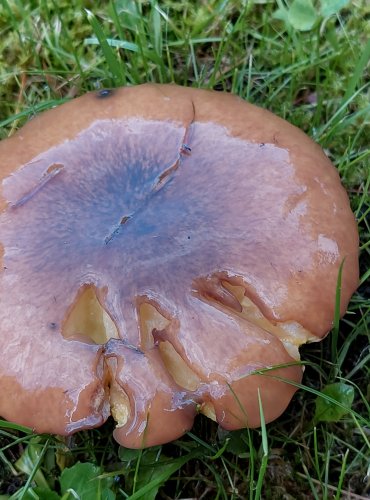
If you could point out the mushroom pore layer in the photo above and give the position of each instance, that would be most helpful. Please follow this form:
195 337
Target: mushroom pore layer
162 250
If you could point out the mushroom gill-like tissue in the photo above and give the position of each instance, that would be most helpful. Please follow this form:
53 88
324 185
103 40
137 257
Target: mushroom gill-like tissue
164 251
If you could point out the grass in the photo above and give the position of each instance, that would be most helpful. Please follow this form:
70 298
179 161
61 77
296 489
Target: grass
317 79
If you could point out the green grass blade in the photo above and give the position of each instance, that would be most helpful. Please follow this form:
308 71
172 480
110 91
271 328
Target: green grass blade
265 452
357 74
335 330
9 425
338 494
114 64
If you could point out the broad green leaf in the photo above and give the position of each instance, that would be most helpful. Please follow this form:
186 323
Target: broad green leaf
28 461
326 411
281 14
45 494
154 472
128 455
302 15
331 7
238 443
82 479
36 494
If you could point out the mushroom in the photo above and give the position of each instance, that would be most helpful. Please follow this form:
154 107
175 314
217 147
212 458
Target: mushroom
164 251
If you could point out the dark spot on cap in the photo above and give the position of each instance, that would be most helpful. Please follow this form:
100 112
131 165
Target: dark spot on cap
104 93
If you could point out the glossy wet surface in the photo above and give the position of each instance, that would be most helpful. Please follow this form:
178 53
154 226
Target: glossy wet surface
123 216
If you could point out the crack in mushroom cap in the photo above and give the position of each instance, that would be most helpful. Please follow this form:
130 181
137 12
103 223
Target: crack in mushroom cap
227 223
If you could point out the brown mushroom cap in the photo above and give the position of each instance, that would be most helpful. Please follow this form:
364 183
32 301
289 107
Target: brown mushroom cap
158 246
